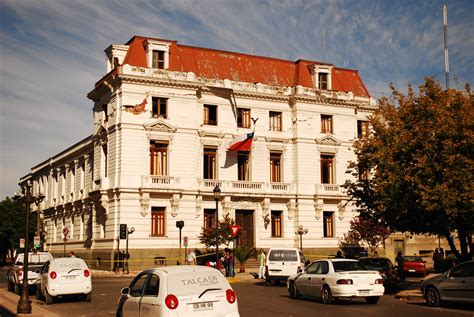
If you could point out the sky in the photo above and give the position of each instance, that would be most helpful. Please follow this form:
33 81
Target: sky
52 52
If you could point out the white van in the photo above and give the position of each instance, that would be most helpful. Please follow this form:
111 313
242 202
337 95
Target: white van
64 276
282 263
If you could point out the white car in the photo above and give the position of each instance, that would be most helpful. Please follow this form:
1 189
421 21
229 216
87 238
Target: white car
337 278
282 263
15 274
64 277
184 290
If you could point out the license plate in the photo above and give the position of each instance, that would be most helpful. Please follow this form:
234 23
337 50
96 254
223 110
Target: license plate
364 292
203 306
411 270
70 277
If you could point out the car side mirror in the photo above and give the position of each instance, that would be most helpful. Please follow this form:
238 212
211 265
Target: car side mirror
125 291
300 270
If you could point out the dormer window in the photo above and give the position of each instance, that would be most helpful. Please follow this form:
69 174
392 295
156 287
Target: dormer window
158 53
158 59
322 76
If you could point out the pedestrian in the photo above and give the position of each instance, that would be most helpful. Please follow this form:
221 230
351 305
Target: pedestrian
261 270
436 260
72 254
191 259
400 263
339 255
225 261
230 263
442 262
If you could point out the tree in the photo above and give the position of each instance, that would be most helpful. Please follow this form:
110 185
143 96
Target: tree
367 230
414 171
243 254
208 235
12 226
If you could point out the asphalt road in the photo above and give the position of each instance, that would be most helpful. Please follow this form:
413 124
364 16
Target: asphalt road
255 299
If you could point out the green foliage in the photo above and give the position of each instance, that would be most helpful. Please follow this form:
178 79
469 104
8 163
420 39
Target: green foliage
243 254
208 236
420 160
12 226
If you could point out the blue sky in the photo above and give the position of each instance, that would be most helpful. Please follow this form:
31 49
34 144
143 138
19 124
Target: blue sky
51 52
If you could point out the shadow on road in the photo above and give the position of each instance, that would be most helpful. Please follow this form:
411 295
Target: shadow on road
5 313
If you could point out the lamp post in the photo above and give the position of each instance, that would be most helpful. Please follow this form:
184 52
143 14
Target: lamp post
24 304
129 232
301 231
217 197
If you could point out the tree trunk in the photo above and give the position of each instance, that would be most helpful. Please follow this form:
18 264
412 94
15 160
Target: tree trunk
242 268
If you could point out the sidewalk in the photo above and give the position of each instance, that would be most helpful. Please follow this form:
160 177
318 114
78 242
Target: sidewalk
9 302
412 289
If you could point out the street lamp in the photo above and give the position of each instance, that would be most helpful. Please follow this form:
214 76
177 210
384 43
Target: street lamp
217 197
26 197
301 231
129 232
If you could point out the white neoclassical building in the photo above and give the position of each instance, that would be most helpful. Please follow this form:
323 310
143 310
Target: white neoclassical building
164 116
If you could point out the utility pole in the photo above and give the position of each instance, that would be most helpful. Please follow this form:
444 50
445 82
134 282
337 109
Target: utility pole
446 57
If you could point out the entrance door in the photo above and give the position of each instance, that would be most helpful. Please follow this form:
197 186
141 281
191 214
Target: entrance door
244 219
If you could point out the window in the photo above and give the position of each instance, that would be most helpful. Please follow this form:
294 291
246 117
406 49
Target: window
362 128
276 223
209 219
243 118
83 175
275 167
159 107
275 121
209 163
323 81
73 178
157 221
158 59
104 159
328 224
63 183
243 166
105 113
326 124
327 169
210 115
138 284
152 286
158 158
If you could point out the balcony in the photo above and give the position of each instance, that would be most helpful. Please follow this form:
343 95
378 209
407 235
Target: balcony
159 181
329 190
207 185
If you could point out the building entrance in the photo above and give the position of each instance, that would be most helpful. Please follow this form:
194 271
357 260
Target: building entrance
244 219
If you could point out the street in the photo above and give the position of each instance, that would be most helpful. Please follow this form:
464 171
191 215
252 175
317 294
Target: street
255 299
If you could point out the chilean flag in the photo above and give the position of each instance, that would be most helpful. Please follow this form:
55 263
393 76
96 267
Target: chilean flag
242 142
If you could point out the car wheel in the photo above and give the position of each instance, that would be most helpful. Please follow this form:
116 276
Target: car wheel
372 300
88 297
293 290
48 298
432 297
326 295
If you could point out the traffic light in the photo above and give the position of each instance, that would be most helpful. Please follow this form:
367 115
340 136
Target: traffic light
180 224
123 231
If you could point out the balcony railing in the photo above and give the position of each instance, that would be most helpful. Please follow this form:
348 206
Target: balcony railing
329 189
244 185
159 181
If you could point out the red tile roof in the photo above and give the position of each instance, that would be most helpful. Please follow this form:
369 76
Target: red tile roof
210 63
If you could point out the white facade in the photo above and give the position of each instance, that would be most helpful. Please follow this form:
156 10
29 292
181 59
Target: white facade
105 180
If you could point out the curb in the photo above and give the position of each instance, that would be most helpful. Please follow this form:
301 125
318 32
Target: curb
410 295
9 301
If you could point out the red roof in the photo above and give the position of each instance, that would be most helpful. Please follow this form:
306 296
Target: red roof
210 63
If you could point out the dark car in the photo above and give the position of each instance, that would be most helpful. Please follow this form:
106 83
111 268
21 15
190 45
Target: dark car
455 285
385 268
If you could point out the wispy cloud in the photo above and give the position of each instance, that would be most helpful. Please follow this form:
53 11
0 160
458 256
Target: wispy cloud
51 52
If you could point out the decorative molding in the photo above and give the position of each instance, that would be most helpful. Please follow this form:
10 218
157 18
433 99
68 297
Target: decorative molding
174 201
328 139
227 205
341 206
318 208
291 205
160 125
198 205
144 203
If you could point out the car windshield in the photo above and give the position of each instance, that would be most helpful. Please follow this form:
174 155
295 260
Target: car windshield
34 258
196 283
342 266
375 262
413 259
283 255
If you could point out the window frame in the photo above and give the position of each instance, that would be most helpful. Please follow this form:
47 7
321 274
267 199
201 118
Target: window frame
243 118
243 168
209 219
158 104
158 59
323 81
276 169
275 121
158 222
328 224
327 124
362 128
208 112
328 166
157 147
209 163
276 217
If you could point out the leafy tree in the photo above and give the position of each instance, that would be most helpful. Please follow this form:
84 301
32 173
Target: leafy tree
414 171
12 226
367 230
208 235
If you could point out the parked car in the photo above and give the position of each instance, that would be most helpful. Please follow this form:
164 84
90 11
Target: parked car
455 285
337 278
282 263
183 290
64 277
386 269
414 265
15 273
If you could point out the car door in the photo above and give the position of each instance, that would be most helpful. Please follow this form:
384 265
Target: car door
43 277
131 304
319 278
459 285
303 282
149 305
